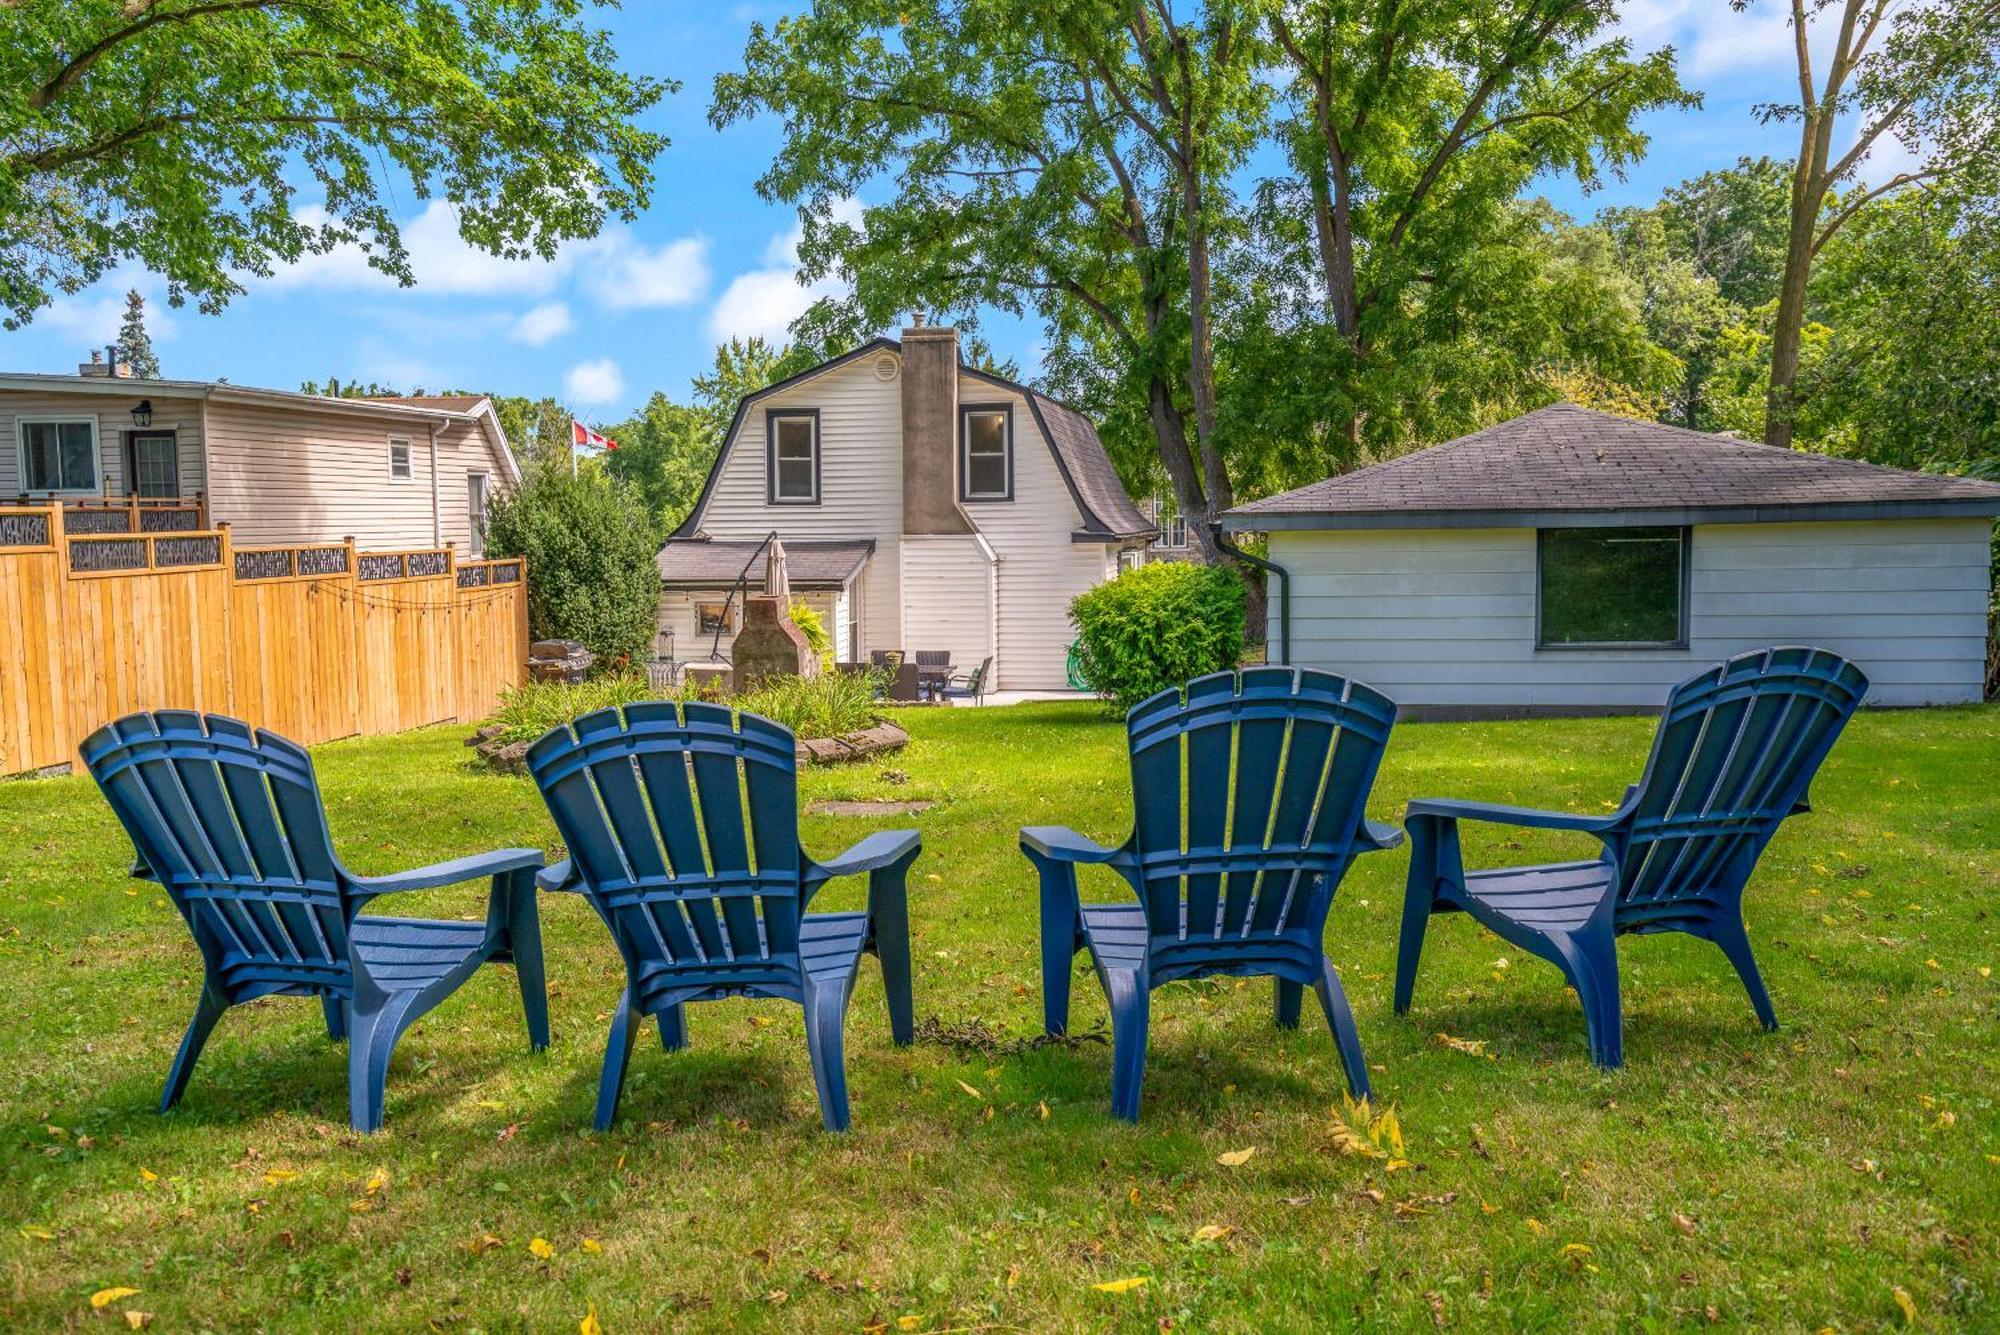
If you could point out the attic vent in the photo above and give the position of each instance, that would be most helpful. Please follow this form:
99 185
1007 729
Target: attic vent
885 368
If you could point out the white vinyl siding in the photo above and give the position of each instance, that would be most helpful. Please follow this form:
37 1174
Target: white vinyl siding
948 598
860 485
290 475
1041 570
1447 617
113 415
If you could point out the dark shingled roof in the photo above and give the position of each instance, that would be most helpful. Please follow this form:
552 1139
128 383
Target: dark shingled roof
1106 507
716 564
1569 461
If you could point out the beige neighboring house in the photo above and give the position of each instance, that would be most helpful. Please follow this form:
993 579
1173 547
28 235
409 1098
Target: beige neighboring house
923 504
278 467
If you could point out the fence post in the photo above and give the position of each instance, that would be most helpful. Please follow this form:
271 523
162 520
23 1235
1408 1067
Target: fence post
227 582
132 524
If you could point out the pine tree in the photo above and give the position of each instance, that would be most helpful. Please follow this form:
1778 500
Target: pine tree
135 345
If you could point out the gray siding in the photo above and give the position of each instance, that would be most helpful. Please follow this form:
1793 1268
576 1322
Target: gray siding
1446 617
113 416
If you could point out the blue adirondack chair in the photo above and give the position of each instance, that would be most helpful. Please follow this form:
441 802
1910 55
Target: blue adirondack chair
703 907
1736 748
228 819
1278 765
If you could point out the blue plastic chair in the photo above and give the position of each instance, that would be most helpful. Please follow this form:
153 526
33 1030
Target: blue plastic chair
703 905
1277 765
228 819
1735 751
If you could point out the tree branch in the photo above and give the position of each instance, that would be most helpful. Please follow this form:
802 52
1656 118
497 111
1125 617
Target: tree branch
1854 206
65 78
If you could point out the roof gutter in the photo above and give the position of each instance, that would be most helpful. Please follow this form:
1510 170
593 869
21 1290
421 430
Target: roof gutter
1272 521
1284 586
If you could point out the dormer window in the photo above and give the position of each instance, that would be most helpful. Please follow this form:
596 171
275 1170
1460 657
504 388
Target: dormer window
794 457
986 452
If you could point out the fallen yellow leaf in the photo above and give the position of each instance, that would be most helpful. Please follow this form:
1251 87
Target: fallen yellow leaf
908 1322
541 1247
1536 1226
1907 1304
1212 1232
148 1175
138 1320
103 1298
970 1091
1042 1110
38 1233
1121 1285
376 1181
277 1175
1230 1159
593 1246
590 1325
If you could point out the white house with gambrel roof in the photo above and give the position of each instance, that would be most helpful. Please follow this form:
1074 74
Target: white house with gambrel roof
923 504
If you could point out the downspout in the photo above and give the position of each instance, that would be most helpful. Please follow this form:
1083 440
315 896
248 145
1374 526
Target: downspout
437 512
1284 587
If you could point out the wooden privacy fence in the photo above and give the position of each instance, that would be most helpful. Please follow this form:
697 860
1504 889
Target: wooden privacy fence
315 641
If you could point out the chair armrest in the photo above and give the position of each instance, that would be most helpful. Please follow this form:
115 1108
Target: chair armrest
1059 843
455 872
558 876
881 849
1377 836
1505 815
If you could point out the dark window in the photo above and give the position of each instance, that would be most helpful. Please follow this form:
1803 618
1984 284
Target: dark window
711 617
156 466
59 456
987 473
1613 586
795 457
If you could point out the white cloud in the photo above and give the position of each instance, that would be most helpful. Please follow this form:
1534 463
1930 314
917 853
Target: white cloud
595 382
93 315
442 261
764 302
550 320
623 273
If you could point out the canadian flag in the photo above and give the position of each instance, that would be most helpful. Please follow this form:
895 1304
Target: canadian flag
583 438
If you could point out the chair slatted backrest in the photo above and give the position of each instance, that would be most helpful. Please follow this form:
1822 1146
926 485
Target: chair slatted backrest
933 658
1736 748
228 819
1248 799
683 825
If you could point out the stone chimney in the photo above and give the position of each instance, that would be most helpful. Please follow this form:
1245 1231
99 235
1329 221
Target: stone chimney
99 368
930 429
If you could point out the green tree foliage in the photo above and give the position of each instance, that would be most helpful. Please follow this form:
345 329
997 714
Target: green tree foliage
180 134
1158 626
590 548
537 430
135 345
1926 76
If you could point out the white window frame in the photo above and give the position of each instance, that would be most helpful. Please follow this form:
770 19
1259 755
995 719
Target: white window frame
1005 412
772 422
21 425
1171 533
475 524
409 473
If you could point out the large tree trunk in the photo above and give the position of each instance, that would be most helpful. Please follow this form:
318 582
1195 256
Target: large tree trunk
1781 399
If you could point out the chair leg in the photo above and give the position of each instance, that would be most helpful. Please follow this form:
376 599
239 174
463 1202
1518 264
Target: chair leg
1735 943
1286 1004
617 1052
336 1016
826 1010
524 938
889 926
1340 1019
1060 939
1592 965
674 1028
1418 895
371 1042
206 1012
1131 1003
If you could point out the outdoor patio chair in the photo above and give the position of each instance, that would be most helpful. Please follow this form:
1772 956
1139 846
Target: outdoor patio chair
228 820
1735 750
702 905
967 685
1278 763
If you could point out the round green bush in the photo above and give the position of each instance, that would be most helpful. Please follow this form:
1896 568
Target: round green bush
591 554
1157 626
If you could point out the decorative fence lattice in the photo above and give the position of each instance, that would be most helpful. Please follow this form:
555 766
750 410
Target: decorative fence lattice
472 577
427 563
98 555
201 549
24 530
381 567
322 560
507 572
267 563
97 521
169 521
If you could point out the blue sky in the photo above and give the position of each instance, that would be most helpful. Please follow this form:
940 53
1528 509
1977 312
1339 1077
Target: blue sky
642 307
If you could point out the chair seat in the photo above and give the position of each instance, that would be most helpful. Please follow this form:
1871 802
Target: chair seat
1116 933
404 954
830 943
1557 897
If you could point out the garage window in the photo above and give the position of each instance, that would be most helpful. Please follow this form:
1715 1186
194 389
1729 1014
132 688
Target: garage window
1613 588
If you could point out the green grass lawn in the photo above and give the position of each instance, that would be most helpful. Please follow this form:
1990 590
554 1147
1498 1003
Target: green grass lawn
1789 1180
